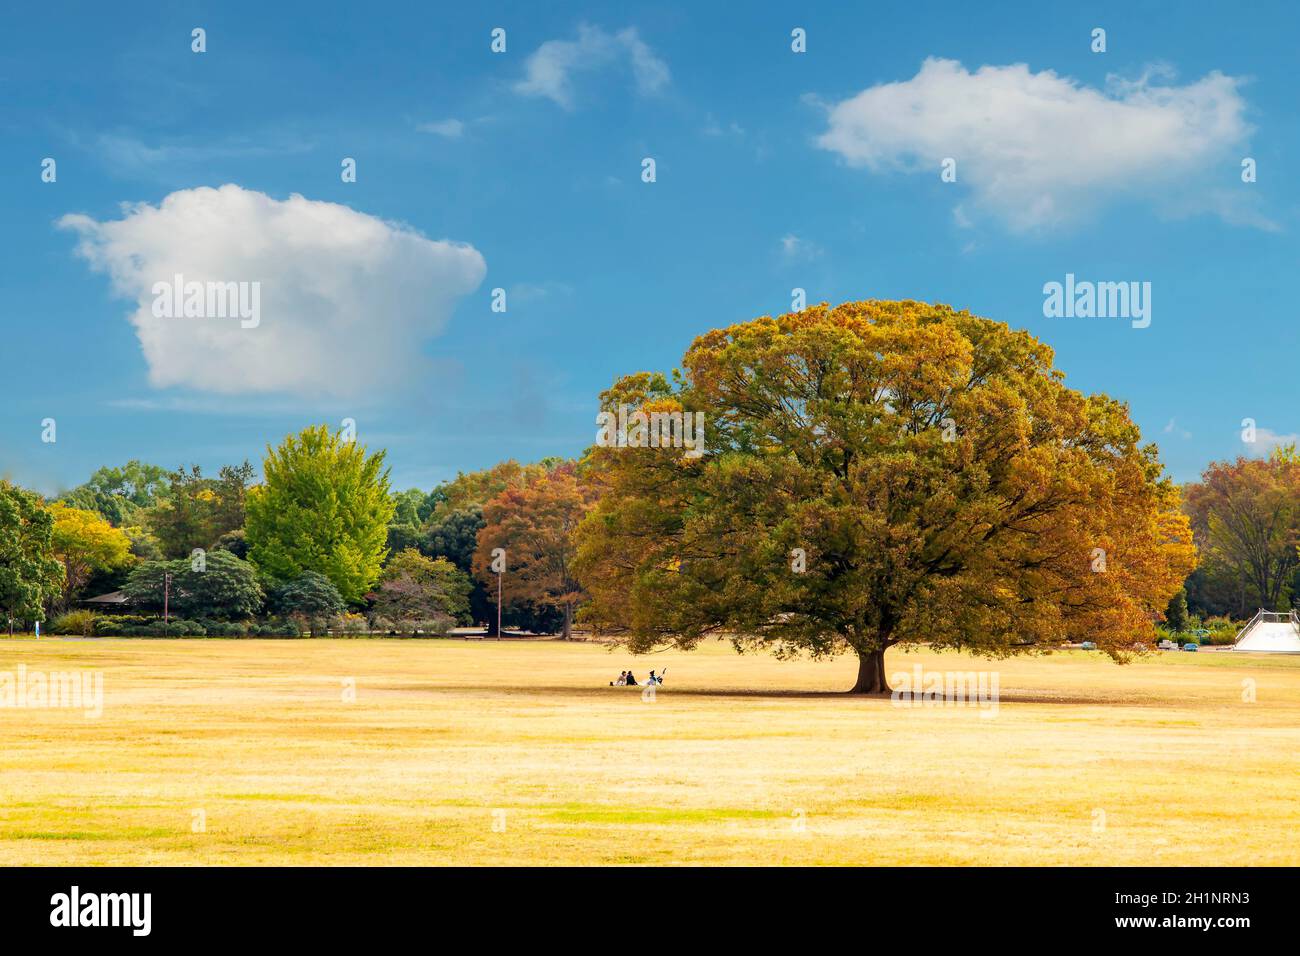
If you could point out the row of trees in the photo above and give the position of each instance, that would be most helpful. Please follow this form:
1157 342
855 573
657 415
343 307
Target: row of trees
876 474
1245 515
320 534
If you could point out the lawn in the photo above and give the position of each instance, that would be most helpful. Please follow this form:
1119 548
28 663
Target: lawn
250 752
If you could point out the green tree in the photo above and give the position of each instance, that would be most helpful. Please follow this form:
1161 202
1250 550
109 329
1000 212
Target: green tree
877 474
324 506
30 575
197 511
407 505
217 585
419 592
454 536
121 494
1176 612
310 598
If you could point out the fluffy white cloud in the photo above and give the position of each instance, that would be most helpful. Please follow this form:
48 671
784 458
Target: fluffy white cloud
346 299
1038 149
549 70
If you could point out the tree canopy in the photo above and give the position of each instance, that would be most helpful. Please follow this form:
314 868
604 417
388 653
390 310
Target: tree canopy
1245 515
30 575
196 511
324 506
85 542
876 474
120 494
220 586
535 524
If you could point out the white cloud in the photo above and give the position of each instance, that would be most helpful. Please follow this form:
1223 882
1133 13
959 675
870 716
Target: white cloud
549 70
1266 440
795 249
346 298
450 128
1037 149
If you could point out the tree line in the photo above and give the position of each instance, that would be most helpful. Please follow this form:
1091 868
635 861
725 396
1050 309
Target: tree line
876 474
320 543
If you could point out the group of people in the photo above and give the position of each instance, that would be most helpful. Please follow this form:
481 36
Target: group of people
626 679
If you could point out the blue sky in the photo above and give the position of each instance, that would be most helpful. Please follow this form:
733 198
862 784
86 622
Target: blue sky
775 170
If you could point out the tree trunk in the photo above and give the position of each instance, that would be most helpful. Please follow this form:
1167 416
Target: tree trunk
568 621
871 673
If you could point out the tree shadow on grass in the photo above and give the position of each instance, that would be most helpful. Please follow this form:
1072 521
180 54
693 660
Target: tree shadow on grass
774 694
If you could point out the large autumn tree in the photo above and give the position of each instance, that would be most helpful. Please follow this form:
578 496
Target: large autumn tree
535 524
1246 518
877 474
324 506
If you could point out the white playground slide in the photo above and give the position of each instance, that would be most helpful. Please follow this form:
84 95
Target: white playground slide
1270 632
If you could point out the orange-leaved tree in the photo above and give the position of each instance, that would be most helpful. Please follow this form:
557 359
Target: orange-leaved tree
534 524
1246 519
877 474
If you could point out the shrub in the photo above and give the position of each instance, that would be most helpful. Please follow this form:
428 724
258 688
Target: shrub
277 627
75 622
108 627
352 624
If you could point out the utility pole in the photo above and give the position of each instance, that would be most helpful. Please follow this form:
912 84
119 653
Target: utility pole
500 575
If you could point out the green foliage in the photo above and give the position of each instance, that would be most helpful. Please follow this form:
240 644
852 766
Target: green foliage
75 622
197 511
30 575
226 587
455 537
401 537
324 507
310 598
119 495
1176 617
419 593
407 506
236 542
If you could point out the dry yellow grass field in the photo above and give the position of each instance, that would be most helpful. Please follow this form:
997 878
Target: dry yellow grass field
518 753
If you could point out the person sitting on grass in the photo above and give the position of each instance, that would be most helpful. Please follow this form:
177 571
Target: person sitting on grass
622 680
631 681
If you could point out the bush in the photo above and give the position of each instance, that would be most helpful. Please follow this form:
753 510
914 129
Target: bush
225 628
276 627
353 624
75 622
